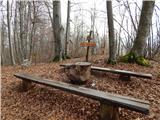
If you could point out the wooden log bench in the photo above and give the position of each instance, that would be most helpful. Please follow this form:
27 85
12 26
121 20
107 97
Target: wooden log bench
124 75
109 103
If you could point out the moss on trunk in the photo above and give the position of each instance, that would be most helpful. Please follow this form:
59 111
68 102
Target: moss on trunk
113 62
57 58
142 61
131 57
66 57
128 58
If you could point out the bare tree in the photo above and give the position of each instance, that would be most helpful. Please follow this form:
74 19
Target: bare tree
143 28
130 14
137 52
52 24
57 30
67 27
33 29
9 35
2 34
21 17
112 42
15 35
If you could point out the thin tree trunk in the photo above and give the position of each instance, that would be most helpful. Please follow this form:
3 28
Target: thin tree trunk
112 42
57 29
67 28
51 19
93 28
21 30
28 26
15 35
9 35
2 45
119 41
32 32
130 14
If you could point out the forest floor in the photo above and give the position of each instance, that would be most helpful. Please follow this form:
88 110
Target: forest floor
44 103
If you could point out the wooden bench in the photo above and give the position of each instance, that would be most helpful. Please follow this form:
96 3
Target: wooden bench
124 75
109 103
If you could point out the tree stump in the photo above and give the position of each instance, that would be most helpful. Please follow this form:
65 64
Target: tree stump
79 72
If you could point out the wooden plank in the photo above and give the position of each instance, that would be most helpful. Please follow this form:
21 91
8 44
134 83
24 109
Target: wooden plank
125 102
136 74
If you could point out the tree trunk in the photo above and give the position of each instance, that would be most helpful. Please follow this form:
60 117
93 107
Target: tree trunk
57 30
143 28
15 35
32 33
136 55
119 39
9 35
51 19
130 14
2 44
21 9
28 26
112 43
67 27
93 18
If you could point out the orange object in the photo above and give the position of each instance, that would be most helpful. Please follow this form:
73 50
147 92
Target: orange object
90 44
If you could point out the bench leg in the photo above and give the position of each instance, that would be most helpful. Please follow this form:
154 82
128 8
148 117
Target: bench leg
125 77
108 112
26 85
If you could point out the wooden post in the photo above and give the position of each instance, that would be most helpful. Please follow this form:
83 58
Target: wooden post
88 38
25 85
108 112
79 72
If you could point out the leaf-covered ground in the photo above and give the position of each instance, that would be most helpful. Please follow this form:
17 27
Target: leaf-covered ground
44 103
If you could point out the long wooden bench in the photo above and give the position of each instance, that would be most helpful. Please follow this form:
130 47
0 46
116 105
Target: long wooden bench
109 103
124 75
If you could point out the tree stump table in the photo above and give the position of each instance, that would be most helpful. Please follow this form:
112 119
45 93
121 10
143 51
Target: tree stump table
79 72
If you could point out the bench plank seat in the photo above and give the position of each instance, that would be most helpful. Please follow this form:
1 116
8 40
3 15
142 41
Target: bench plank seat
124 72
121 72
104 97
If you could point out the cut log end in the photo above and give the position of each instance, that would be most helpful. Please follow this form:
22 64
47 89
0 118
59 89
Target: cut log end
79 72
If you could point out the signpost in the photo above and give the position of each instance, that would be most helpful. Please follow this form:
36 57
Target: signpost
88 44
